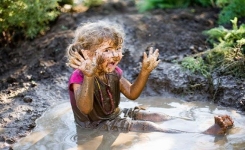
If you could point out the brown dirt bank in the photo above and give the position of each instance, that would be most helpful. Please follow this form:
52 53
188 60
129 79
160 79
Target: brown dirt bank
34 75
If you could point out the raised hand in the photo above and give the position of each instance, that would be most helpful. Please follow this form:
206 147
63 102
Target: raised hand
149 63
84 63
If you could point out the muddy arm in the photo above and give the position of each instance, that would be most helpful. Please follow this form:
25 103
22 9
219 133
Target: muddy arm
133 91
84 94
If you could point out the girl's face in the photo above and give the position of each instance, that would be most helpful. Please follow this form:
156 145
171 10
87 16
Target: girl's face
109 57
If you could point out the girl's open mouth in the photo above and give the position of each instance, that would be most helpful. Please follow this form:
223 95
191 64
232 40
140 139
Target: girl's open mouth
111 65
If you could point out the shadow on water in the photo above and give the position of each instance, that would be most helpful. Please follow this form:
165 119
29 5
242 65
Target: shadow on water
56 129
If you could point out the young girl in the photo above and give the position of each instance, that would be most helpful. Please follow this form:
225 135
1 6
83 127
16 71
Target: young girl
97 82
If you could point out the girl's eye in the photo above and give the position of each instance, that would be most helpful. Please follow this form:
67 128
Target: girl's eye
107 50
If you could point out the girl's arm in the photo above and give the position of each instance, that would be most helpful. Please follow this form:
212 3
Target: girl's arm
84 95
84 92
133 91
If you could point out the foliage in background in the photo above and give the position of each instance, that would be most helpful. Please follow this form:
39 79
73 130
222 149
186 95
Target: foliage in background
144 5
92 3
26 17
223 37
195 65
227 56
229 8
63 2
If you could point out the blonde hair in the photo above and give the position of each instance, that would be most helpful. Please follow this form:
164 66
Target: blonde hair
91 35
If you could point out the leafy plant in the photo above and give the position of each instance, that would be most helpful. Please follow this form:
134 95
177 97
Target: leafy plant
26 17
228 55
195 65
222 3
144 5
231 9
227 61
204 3
225 37
92 3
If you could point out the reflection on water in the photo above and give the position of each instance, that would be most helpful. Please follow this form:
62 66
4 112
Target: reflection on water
56 129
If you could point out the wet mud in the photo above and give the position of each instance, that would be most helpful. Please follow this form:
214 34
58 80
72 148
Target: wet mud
34 74
192 117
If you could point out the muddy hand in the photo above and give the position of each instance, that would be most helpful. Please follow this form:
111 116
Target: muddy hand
149 63
85 64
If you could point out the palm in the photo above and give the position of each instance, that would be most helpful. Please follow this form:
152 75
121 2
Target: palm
84 63
149 63
87 67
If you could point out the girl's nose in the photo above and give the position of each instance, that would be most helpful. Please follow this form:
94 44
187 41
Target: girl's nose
116 56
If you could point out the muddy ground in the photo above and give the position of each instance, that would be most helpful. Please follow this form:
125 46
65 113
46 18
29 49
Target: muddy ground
34 74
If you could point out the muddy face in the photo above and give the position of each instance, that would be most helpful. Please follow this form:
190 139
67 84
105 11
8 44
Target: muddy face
109 57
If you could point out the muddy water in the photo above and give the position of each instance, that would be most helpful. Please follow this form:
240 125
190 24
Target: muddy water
56 129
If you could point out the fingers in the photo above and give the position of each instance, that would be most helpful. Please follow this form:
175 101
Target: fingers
73 66
156 53
156 63
150 51
75 62
151 61
79 57
72 53
85 54
152 54
144 56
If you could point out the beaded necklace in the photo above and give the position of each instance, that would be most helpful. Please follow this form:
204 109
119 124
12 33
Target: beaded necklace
108 90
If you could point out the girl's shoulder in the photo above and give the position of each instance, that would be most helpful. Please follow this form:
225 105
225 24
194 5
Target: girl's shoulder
76 76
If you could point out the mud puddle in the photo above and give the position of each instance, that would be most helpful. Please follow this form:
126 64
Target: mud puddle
56 129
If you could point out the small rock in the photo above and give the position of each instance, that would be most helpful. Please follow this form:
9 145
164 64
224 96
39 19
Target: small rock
32 125
29 77
33 84
27 99
200 49
11 79
10 140
192 47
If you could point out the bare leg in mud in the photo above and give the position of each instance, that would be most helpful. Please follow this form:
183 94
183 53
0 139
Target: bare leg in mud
154 117
222 123
140 114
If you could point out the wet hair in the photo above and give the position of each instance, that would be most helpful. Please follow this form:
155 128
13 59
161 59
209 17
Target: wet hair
91 35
